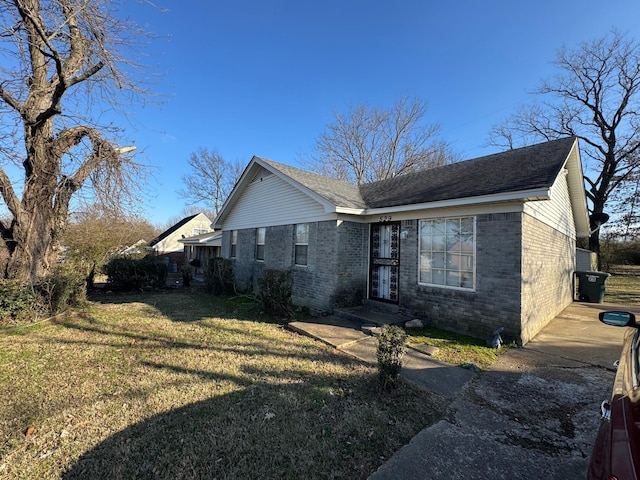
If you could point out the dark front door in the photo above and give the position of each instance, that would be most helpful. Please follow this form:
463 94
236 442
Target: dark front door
384 264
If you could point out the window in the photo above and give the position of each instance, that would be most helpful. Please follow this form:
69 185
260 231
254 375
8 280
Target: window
302 244
447 252
234 243
199 231
260 234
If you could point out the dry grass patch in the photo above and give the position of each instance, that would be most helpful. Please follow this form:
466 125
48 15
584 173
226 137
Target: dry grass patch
181 386
623 286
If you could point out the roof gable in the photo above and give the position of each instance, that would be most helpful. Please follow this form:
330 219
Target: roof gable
174 228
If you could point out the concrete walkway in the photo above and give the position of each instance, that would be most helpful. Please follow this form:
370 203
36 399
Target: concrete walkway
534 414
418 368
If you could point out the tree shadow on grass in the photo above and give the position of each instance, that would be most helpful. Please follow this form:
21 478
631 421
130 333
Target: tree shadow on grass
274 428
191 305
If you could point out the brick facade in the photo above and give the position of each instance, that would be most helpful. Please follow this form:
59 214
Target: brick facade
496 299
519 293
524 274
547 275
336 269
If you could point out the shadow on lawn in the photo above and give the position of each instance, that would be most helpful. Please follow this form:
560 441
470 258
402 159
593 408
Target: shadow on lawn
191 305
264 429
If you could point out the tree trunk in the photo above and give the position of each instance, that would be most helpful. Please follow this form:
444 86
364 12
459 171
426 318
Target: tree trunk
37 225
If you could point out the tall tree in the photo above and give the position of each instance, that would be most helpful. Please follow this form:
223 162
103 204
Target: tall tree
595 97
211 178
61 59
368 144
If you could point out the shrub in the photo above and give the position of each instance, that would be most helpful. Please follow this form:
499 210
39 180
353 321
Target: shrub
64 288
390 352
18 302
275 292
218 276
187 276
136 274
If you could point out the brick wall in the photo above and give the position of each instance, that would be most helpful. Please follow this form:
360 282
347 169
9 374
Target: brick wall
496 299
336 264
547 271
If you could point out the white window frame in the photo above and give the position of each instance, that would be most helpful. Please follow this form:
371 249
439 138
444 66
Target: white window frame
234 244
445 266
301 240
261 233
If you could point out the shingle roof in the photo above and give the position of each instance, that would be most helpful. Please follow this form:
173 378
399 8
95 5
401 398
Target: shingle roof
527 168
337 192
170 230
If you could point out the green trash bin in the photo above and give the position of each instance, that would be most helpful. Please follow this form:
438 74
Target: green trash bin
591 286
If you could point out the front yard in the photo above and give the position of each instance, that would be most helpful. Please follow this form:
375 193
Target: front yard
179 385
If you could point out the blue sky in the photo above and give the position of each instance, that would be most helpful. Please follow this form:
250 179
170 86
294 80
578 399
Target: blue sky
265 77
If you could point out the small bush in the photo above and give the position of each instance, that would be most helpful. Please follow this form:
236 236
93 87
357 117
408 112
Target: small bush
187 276
218 276
136 274
390 352
275 292
62 289
18 302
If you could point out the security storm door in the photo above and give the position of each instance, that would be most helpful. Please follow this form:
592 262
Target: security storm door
384 264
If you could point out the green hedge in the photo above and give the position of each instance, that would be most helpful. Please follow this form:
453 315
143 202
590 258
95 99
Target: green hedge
124 273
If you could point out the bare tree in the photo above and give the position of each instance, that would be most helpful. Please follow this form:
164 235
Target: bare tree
61 60
595 97
211 178
368 144
97 233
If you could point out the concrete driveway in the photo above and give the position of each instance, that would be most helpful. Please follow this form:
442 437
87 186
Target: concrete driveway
533 415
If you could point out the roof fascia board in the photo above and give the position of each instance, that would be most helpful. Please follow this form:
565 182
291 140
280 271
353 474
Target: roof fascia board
577 195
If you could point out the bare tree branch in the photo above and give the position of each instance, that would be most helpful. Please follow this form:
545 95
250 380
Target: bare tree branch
368 144
595 97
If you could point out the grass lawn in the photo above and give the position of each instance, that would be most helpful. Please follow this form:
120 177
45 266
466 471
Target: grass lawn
623 286
186 385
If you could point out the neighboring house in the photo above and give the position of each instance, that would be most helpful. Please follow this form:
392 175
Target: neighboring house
136 249
167 243
470 247
202 247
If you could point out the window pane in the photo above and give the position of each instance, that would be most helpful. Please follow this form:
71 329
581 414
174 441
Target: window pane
438 277
260 252
302 233
437 243
437 260
426 227
301 254
467 280
453 279
466 226
261 235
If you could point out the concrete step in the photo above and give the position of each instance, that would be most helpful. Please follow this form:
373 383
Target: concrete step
367 315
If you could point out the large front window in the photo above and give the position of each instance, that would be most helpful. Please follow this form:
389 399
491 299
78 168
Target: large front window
447 252
302 244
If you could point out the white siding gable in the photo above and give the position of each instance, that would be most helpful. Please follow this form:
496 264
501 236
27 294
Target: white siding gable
269 200
555 212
